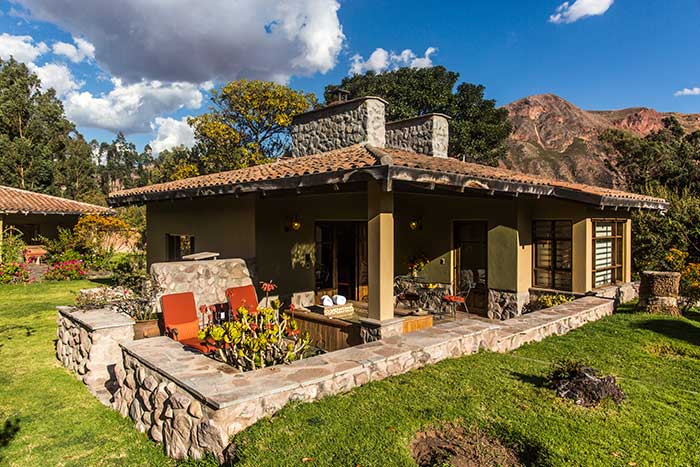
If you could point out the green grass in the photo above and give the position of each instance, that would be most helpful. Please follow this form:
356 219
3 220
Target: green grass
60 422
656 359
503 394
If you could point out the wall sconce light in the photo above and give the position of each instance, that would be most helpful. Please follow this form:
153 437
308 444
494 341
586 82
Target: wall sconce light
294 225
415 224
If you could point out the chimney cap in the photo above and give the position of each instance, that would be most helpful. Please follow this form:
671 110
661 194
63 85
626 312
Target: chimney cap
420 117
333 105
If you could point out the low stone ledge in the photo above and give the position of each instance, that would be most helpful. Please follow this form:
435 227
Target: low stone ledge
88 345
193 404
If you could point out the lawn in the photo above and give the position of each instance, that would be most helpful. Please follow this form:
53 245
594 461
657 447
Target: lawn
60 422
656 360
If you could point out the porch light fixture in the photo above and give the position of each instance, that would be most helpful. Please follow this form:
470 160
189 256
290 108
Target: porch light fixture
294 225
416 224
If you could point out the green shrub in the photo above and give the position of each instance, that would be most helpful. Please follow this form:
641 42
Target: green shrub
12 246
549 301
66 271
13 273
129 271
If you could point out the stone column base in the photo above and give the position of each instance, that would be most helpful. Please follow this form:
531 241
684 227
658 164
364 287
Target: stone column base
373 330
504 305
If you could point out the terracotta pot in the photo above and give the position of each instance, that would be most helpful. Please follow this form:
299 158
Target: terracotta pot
148 328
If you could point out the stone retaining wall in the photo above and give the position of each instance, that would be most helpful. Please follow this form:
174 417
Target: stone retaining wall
193 404
88 345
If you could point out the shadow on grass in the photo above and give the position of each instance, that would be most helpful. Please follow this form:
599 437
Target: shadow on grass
6 331
7 432
535 380
531 453
675 329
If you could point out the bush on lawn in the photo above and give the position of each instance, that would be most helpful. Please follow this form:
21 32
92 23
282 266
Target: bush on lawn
13 246
13 273
66 271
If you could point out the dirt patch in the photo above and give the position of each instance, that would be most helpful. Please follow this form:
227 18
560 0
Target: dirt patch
583 385
452 445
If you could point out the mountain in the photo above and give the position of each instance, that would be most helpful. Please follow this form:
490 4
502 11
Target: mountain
554 138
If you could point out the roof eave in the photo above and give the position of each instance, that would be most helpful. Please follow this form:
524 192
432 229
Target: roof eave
259 186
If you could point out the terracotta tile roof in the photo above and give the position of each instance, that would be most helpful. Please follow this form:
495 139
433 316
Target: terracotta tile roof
366 157
14 200
352 157
449 165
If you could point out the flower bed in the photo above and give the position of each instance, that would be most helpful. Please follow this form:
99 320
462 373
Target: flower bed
256 338
73 269
13 273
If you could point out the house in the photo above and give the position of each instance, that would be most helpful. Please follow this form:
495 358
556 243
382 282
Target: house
35 214
362 198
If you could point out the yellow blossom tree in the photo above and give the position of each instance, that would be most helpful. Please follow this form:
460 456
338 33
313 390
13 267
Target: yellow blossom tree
247 124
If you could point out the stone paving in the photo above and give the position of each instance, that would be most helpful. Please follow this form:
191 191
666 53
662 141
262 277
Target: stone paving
159 369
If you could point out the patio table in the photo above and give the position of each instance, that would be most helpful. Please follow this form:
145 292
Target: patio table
420 293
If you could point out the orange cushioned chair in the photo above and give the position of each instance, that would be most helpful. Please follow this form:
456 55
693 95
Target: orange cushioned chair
181 321
244 296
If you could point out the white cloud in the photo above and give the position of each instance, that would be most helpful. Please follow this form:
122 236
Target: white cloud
22 48
57 76
381 60
75 53
218 40
688 92
569 12
171 133
131 108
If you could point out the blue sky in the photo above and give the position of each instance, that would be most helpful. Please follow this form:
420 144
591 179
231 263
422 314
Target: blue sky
135 67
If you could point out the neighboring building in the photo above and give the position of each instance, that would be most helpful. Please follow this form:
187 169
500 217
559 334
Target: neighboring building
361 197
36 214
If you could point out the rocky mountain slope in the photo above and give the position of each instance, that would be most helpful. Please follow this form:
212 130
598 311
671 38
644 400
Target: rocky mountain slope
554 138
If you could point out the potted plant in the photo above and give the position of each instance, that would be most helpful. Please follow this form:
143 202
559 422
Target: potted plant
142 308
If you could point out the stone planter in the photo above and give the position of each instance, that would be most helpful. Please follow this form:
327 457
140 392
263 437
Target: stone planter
147 328
658 292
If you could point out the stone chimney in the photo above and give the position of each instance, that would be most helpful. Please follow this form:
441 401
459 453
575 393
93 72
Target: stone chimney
427 134
339 125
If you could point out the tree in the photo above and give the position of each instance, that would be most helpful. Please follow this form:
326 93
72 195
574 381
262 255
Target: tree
174 164
75 174
247 124
123 167
478 130
666 164
33 129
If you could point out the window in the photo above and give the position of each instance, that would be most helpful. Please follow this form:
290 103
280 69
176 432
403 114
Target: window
179 246
608 252
553 254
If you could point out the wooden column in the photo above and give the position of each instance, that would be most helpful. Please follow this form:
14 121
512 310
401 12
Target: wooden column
380 245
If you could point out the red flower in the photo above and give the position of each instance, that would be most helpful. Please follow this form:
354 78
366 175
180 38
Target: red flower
212 307
253 326
202 309
267 287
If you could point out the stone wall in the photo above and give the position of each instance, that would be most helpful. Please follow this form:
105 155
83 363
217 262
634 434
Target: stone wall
339 125
88 345
427 134
194 405
208 280
168 414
